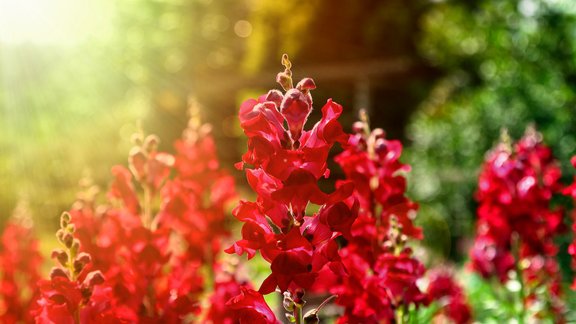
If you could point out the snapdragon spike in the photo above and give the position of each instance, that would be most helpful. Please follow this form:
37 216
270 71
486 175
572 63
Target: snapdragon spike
159 235
516 222
383 273
286 165
73 294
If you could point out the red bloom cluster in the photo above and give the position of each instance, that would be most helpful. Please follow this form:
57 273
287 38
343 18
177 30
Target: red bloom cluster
287 165
516 224
20 263
73 294
450 296
383 273
154 262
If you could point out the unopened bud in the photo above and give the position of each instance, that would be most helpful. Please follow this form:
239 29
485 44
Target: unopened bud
93 278
137 162
60 235
71 228
306 84
65 219
61 256
284 80
380 146
290 318
358 127
74 248
67 240
287 302
378 133
311 317
275 96
58 272
81 261
151 143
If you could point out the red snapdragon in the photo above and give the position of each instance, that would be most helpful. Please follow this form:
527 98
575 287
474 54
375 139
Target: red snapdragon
72 294
287 164
383 273
159 235
516 223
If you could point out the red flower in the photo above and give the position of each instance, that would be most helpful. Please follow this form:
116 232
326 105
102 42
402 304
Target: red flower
249 307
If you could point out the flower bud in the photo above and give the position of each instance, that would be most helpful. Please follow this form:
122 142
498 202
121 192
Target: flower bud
65 219
61 256
58 272
358 127
75 247
311 317
295 107
67 240
93 278
275 96
137 162
151 143
306 85
287 302
378 133
284 80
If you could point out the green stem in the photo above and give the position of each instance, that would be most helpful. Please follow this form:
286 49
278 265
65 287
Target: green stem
298 313
147 217
519 276
400 315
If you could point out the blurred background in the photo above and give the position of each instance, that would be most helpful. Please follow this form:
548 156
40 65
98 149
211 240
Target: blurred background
78 78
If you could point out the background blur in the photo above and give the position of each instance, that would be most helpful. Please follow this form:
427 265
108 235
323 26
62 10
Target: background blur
77 78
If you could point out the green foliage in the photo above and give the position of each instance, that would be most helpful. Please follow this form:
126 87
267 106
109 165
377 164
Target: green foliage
507 64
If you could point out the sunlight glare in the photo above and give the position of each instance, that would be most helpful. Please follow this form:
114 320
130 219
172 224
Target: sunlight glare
56 22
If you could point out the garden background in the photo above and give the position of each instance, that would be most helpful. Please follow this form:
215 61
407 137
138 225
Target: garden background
77 79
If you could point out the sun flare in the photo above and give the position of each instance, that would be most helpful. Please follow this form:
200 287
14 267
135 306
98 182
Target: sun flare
53 21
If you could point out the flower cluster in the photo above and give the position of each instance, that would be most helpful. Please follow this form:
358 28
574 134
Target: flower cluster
383 273
20 263
450 296
516 223
73 293
159 235
287 163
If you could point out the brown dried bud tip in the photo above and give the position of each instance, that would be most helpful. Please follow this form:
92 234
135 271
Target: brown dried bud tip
61 256
65 219
58 272
67 240
151 143
93 278
84 258
60 235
